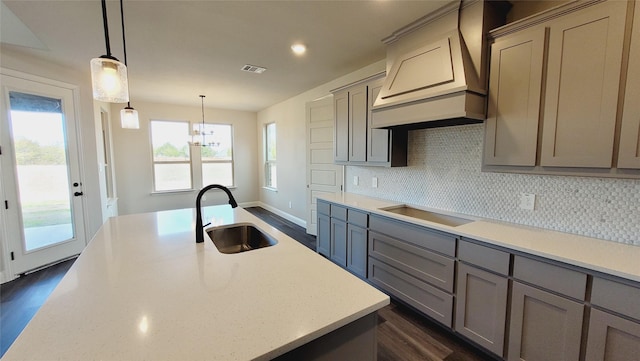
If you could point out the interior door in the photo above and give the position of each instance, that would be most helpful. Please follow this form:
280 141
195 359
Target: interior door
43 210
323 176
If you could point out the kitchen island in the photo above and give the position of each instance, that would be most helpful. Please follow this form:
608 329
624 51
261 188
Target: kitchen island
143 289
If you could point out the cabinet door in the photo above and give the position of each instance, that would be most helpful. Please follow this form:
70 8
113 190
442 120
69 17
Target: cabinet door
378 139
612 338
323 241
629 155
511 130
358 114
481 307
341 128
583 76
357 250
543 326
338 250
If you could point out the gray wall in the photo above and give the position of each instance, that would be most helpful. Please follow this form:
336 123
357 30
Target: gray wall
133 157
444 173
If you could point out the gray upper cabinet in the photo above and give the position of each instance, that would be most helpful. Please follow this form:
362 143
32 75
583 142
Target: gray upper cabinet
629 153
555 93
377 139
341 126
355 141
358 114
583 77
511 132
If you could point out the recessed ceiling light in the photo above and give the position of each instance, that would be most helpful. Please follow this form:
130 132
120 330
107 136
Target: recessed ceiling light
298 49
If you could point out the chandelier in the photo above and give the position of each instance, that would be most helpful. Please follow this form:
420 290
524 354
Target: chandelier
202 135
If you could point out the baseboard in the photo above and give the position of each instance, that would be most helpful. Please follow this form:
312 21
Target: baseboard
302 223
4 277
250 204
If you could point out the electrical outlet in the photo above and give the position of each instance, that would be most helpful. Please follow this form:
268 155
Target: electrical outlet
528 201
290 206
355 180
374 182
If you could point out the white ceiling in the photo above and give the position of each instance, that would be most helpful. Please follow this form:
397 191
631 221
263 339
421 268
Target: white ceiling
179 49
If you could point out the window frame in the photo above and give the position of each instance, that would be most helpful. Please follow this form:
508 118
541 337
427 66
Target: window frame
189 161
268 163
232 161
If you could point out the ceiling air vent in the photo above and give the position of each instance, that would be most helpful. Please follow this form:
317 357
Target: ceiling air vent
253 69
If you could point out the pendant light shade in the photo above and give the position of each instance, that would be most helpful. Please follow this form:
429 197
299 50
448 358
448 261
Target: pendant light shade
108 74
128 115
109 79
129 118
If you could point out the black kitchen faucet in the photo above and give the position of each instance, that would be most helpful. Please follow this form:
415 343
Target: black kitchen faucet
199 227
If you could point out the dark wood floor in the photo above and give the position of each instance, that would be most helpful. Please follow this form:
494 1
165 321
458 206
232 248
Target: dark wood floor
21 298
403 334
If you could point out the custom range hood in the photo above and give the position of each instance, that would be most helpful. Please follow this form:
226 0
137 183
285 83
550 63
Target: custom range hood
436 68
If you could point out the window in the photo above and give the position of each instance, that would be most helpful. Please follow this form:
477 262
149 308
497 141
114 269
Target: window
171 156
270 178
217 160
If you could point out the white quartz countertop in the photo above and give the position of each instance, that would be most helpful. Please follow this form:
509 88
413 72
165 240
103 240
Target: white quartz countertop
143 289
608 257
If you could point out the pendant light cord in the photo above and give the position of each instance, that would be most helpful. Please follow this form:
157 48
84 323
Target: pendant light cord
124 43
106 27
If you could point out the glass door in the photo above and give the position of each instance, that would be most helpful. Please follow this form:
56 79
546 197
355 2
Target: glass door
41 174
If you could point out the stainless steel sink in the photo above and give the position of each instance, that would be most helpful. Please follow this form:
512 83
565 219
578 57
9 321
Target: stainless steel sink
239 238
444 219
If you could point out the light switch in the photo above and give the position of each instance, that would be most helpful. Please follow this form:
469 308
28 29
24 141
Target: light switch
374 182
355 180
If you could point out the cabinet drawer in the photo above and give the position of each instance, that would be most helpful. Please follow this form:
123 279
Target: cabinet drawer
323 207
444 243
427 299
423 264
339 212
616 297
484 257
555 278
357 218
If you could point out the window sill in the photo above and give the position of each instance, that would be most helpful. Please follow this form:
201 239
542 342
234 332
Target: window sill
155 193
160 193
275 190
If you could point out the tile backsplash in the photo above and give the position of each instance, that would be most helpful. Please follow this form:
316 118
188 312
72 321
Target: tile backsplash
444 172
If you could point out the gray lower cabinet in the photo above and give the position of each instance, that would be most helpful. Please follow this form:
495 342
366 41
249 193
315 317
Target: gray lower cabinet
427 299
482 288
414 264
614 323
338 250
342 236
481 307
543 326
323 240
357 250
612 338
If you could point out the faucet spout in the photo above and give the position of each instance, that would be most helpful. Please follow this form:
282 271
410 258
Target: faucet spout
199 230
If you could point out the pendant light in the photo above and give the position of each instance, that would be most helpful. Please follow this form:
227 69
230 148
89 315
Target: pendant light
108 74
199 136
128 115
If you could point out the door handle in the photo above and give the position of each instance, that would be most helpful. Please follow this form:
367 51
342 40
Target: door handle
78 194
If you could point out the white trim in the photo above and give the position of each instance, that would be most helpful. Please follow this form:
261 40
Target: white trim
250 204
302 223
